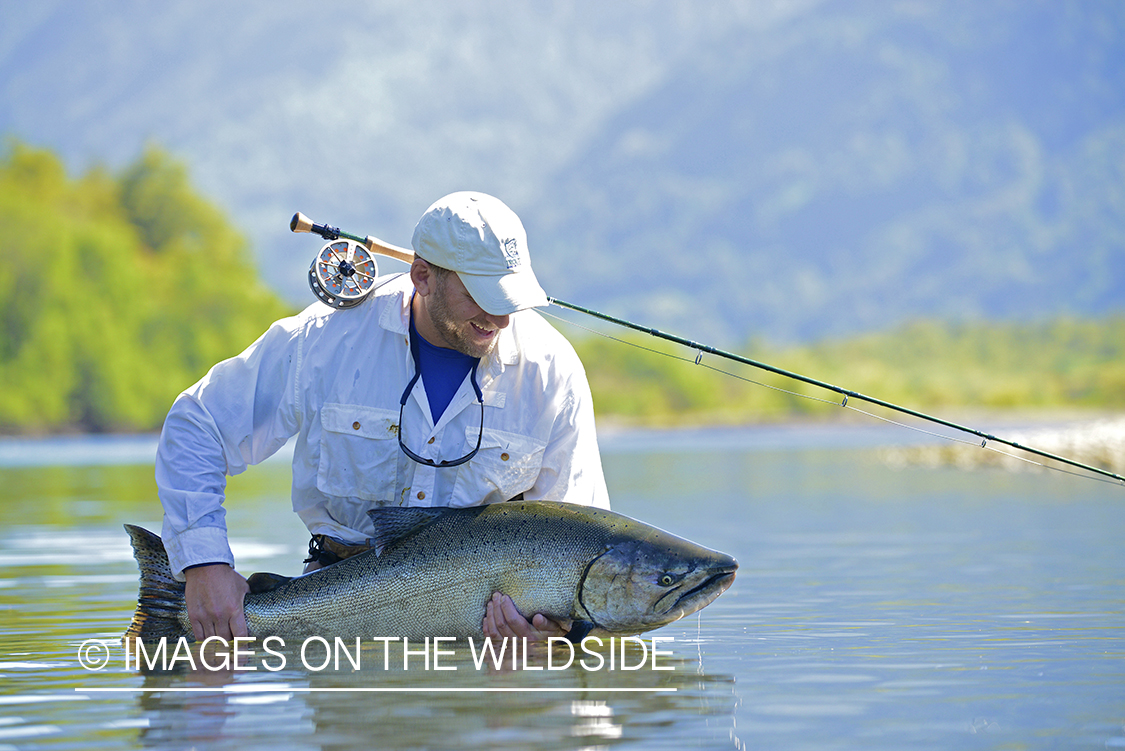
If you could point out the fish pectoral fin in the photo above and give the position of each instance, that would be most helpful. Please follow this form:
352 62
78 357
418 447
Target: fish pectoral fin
265 582
395 523
579 630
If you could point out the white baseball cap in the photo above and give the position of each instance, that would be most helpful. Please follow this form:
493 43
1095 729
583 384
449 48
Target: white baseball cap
484 242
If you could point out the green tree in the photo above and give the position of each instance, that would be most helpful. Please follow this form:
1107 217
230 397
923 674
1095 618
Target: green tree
116 292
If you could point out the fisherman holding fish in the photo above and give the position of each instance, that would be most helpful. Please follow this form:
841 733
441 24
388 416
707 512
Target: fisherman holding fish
442 388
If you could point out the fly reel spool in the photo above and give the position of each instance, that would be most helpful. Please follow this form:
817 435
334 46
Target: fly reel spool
342 274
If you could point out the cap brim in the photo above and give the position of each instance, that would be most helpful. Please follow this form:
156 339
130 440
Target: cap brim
505 294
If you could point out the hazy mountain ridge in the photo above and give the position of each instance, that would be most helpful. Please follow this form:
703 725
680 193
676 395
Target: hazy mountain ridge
973 200
787 171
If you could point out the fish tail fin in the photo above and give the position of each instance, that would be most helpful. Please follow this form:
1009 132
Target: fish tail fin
161 599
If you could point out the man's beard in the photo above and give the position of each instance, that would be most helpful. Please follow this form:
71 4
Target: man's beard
457 335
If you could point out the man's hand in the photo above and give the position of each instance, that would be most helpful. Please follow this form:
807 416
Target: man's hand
502 619
214 601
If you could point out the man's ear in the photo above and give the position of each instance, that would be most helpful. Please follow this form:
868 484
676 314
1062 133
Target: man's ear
422 276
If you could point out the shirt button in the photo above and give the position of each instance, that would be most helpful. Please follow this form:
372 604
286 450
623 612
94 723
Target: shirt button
504 457
355 425
421 495
431 440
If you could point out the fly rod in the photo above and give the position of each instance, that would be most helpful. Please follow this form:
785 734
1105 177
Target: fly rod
327 281
846 393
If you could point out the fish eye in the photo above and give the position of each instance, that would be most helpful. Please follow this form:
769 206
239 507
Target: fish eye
667 580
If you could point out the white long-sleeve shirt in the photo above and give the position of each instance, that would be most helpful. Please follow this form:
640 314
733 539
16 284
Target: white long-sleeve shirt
334 378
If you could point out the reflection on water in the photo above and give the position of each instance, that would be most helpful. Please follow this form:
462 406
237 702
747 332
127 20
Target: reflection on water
874 608
423 709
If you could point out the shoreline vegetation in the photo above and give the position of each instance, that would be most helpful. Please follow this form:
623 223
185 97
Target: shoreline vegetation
1063 364
1060 383
119 290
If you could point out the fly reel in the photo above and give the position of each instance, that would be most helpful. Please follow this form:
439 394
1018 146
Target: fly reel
342 274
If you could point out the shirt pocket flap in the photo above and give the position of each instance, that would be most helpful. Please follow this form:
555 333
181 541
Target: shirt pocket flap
365 422
508 449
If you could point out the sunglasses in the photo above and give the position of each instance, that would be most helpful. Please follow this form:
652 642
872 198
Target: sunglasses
402 405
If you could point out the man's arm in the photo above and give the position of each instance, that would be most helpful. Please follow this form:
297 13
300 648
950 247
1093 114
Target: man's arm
572 464
572 472
238 414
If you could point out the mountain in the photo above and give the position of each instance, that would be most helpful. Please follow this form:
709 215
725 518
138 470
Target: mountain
865 164
726 170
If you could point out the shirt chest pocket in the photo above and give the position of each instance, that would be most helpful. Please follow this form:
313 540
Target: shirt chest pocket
358 452
506 465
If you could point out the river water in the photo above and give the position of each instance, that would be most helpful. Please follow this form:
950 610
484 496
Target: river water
875 608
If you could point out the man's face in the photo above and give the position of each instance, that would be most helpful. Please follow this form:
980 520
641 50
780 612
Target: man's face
459 321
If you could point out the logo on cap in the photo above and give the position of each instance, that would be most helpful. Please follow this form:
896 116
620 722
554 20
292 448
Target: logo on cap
512 253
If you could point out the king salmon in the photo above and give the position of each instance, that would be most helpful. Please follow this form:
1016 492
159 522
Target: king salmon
431 570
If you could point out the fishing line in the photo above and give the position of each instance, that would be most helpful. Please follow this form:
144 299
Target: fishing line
1110 477
843 405
344 274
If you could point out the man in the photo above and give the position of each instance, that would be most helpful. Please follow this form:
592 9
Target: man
441 388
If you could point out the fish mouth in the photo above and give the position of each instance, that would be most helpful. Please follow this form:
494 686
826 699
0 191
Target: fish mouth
710 588
698 597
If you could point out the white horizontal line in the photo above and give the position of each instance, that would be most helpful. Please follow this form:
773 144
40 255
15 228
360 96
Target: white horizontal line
243 689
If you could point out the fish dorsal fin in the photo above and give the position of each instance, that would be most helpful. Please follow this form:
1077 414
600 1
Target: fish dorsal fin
265 582
395 523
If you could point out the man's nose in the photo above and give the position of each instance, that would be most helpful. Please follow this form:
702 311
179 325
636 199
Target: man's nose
500 322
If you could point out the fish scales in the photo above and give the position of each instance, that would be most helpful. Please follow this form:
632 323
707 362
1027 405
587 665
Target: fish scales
433 570
440 582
